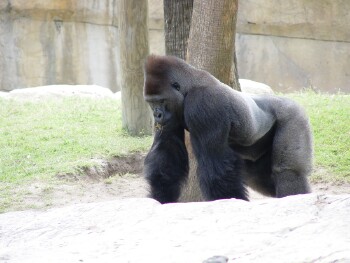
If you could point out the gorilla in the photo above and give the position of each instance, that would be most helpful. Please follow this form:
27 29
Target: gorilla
239 140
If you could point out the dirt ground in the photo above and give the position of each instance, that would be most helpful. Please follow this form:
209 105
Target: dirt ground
119 178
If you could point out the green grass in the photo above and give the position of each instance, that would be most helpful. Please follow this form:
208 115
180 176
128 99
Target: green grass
41 139
330 120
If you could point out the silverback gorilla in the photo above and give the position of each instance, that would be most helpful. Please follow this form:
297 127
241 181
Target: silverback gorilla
239 140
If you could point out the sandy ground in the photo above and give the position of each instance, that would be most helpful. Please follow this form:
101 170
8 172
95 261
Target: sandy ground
124 180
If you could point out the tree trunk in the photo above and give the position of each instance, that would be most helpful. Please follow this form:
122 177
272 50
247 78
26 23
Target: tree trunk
177 23
211 47
134 47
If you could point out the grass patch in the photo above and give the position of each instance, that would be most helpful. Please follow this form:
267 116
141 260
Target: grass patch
330 120
41 139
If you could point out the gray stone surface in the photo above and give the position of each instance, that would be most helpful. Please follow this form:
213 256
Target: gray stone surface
253 87
305 228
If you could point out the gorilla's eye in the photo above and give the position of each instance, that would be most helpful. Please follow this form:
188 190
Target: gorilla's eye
176 85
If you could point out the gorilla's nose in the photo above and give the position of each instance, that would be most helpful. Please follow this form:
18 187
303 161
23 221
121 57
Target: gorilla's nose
158 115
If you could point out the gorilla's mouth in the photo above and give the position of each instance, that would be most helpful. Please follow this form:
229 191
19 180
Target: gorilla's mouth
158 126
169 126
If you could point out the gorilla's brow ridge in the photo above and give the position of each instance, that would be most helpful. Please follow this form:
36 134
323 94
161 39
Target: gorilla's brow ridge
158 70
159 65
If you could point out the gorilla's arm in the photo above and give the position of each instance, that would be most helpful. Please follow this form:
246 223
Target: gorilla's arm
166 165
218 165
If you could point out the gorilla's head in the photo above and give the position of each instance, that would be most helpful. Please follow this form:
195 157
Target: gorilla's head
167 80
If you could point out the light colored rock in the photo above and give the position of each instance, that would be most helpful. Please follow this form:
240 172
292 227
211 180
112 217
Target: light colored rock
60 91
118 95
4 95
253 87
305 228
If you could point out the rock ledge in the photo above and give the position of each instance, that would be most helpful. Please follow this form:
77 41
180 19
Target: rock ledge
305 228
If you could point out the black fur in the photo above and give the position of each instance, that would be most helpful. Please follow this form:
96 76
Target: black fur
219 167
166 165
238 139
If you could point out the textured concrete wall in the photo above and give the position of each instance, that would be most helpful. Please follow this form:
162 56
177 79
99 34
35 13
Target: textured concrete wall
57 42
46 42
295 44
289 45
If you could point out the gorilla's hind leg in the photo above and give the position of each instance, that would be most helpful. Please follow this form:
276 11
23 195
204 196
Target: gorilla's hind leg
290 183
292 156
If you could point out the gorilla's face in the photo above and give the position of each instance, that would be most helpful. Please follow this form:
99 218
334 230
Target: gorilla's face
167 105
164 91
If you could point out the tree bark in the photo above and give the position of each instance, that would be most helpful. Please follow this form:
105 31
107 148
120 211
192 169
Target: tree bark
177 23
211 45
134 47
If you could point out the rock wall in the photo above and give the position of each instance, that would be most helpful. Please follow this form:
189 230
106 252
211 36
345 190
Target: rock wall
288 45
295 44
63 42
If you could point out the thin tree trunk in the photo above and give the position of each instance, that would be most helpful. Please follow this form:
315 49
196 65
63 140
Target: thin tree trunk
177 23
211 44
134 47
234 71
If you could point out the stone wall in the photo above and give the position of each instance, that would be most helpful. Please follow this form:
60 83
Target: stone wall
295 44
46 42
288 45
